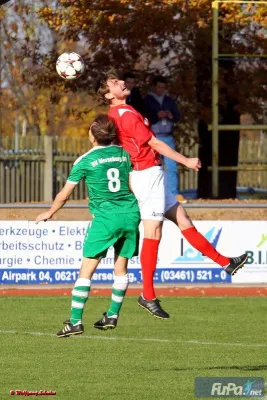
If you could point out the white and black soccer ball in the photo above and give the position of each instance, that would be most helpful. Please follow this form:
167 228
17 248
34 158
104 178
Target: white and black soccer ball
70 66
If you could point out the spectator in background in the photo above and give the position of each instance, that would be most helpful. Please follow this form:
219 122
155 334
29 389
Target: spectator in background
134 99
162 112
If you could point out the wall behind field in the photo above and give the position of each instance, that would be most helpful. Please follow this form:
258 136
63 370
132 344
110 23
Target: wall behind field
51 253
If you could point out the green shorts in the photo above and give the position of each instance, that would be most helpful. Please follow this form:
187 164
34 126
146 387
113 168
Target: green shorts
118 230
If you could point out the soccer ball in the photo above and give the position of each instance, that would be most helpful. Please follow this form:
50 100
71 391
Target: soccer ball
70 66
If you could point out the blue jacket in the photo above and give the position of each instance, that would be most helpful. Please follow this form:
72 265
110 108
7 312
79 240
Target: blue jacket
152 107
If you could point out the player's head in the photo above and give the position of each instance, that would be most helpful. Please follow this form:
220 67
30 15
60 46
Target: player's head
159 84
111 90
103 131
129 80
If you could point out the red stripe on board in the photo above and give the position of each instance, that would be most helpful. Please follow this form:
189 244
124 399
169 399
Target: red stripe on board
175 291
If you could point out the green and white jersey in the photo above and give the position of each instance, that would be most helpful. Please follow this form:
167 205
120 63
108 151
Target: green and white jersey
106 172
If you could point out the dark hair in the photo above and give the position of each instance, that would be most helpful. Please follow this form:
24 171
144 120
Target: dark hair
158 79
101 87
128 75
104 130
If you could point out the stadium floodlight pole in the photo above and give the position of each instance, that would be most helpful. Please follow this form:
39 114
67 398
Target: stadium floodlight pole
215 127
1 96
215 99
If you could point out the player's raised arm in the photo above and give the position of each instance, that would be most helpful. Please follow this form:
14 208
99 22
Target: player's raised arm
167 151
142 134
58 203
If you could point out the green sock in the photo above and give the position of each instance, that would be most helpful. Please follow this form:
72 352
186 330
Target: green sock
80 295
119 289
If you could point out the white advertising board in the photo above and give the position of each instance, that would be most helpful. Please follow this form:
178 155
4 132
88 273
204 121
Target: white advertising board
51 253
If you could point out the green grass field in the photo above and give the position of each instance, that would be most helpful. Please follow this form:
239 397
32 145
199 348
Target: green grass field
144 358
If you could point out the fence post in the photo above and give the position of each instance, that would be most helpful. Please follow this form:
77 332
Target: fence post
48 170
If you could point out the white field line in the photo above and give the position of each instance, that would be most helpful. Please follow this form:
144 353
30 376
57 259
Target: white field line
130 339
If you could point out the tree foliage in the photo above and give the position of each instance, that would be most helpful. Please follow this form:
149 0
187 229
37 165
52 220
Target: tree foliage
32 93
172 37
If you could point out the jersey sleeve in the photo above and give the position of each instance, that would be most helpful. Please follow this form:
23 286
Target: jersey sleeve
77 173
136 128
128 162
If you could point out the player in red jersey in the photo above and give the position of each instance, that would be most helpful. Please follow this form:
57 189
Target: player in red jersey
148 183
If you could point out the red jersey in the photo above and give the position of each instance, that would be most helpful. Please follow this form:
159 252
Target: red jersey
134 135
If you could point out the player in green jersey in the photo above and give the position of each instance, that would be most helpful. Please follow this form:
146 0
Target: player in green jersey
116 218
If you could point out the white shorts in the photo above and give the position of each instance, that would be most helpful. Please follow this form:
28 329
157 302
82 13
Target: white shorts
153 195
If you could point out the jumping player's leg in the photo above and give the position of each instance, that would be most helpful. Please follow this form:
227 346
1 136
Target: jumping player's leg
125 247
149 255
148 187
80 294
100 235
82 288
119 289
178 215
148 259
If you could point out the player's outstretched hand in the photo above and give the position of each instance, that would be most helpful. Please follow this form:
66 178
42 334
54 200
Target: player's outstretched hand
43 217
194 163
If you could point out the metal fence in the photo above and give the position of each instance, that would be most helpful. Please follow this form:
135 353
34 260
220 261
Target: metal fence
22 169
34 168
253 163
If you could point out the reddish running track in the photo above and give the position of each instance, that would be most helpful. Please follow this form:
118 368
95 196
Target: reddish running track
167 291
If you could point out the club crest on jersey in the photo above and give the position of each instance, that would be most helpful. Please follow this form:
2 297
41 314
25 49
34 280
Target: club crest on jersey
146 122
